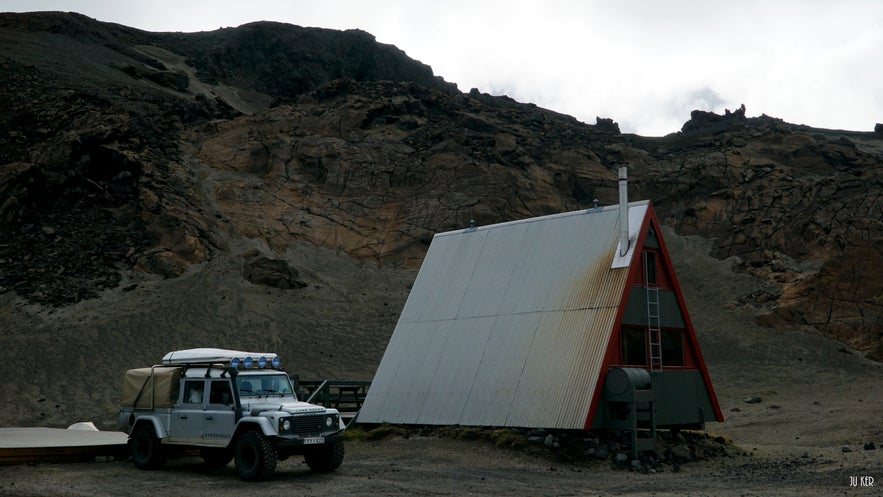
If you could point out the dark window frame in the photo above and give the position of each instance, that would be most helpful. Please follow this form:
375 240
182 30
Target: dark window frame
673 350
191 386
634 346
216 391
650 274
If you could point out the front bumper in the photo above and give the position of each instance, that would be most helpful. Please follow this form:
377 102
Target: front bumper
295 442
286 446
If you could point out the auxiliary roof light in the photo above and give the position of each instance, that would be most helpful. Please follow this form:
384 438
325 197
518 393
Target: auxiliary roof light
249 362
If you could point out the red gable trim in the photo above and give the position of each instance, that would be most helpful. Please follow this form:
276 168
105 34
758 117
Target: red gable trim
691 332
612 353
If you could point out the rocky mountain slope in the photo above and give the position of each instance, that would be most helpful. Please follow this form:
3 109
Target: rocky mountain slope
275 187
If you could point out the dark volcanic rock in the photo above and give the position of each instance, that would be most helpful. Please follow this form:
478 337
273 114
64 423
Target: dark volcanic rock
276 273
123 149
285 60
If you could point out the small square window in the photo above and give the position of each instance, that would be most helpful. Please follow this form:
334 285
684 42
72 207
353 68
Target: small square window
220 392
672 348
634 346
650 267
193 392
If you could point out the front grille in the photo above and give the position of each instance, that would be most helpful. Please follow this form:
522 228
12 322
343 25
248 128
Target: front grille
307 425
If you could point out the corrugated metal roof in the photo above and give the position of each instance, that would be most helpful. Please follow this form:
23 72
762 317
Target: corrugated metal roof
507 325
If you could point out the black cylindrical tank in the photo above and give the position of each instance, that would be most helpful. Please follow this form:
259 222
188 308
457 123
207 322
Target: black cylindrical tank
622 380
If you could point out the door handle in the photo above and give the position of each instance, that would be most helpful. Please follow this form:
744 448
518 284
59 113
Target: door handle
209 418
183 417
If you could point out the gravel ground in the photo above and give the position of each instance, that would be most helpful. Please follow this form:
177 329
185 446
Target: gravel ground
441 466
813 397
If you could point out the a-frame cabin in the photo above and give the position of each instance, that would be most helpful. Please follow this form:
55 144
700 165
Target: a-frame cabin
568 321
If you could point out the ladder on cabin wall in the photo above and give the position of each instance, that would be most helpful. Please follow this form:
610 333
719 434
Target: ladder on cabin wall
653 321
653 328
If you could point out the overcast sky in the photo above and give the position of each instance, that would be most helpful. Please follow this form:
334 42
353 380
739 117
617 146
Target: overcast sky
644 63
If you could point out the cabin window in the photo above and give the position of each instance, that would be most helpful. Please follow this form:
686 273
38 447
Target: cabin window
651 241
634 346
650 267
672 348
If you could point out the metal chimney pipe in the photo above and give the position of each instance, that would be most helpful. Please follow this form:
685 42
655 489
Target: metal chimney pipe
623 211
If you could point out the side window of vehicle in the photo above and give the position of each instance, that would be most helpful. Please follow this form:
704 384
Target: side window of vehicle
220 393
193 391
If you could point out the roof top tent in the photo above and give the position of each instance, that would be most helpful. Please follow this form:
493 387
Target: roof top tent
568 321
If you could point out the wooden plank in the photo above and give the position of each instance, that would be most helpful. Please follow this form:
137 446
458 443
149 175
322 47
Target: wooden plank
32 445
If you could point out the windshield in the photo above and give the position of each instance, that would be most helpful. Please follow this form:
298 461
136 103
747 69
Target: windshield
257 385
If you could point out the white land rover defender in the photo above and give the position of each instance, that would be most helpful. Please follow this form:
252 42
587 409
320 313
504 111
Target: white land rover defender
230 405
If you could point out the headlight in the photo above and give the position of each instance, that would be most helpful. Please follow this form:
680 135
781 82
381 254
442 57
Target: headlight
285 424
329 421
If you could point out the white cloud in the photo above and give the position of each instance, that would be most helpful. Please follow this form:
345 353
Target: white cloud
643 63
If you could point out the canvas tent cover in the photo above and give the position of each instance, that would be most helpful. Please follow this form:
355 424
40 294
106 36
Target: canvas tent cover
140 386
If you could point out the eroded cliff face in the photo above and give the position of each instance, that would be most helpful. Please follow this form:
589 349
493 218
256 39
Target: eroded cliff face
125 150
801 208
375 169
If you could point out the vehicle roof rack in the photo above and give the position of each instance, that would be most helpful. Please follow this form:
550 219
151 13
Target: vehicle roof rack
212 356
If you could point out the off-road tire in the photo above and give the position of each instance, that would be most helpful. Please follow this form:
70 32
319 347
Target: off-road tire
326 458
146 448
255 457
216 457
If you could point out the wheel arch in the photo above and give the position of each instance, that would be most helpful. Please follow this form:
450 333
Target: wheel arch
158 426
255 423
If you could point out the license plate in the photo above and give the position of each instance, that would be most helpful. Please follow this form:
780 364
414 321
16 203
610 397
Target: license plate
314 440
